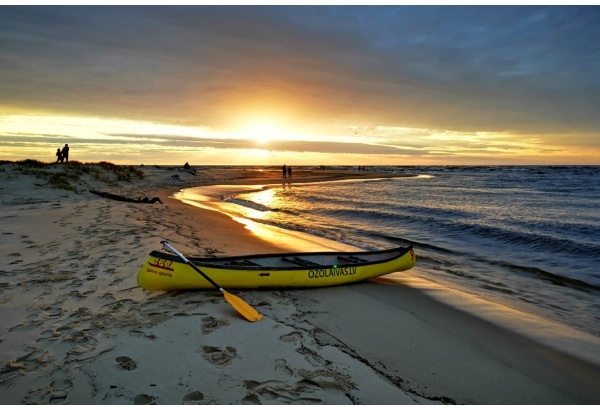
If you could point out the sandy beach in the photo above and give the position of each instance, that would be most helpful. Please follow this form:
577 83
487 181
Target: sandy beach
75 328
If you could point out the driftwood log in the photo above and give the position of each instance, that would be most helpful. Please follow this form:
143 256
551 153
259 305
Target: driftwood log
116 197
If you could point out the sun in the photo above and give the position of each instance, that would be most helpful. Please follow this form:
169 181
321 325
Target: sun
262 131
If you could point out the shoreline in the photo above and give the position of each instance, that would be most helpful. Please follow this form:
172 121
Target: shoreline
547 332
76 328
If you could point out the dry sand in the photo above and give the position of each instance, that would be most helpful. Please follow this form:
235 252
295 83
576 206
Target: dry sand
76 329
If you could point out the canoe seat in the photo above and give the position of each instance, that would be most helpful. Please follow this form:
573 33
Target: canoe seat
245 262
299 261
352 259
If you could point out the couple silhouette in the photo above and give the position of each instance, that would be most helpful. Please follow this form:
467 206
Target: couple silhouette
62 156
287 172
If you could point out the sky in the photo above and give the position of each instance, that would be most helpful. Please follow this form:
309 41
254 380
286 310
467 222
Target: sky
302 85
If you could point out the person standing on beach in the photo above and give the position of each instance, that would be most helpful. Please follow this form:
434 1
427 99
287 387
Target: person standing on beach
65 153
284 171
58 155
289 173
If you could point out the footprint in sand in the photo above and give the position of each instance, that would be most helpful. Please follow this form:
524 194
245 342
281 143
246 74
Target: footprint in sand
291 337
329 379
219 356
143 399
76 294
31 321
192 398
127 363
77 336
60 385
279 392
58 397
53 311
300 392
29 363
82 311
139 333
282 367
60 380
210 324
313 357
47 334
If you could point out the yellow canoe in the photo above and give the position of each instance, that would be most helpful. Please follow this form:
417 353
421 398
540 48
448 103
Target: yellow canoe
164 271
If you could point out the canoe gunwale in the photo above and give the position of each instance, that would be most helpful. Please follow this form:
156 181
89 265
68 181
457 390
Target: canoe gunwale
217 262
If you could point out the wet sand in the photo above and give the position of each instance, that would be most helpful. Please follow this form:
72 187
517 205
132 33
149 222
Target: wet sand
76 329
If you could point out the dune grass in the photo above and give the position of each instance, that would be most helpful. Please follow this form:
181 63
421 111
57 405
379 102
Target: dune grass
69 175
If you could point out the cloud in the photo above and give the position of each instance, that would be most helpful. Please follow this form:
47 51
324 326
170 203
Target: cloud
198 144
524 69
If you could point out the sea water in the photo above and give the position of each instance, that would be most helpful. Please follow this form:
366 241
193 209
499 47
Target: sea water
524 236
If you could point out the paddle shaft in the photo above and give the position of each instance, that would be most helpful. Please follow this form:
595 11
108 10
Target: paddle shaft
186 260
236 302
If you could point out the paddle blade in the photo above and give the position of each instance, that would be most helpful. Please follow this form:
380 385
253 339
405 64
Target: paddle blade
245 309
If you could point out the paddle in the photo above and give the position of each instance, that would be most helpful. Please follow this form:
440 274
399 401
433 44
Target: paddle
238 304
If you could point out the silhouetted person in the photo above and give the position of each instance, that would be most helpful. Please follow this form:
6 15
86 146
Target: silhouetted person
289 173
283 170
58 155
65 153
186 166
